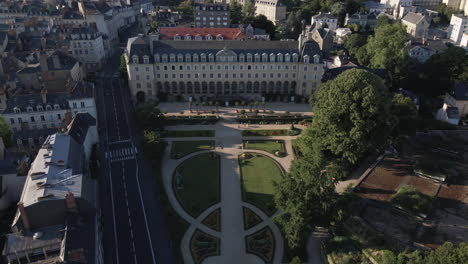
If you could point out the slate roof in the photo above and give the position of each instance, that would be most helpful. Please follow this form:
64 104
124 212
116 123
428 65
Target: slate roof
9 164
34 100
78 128
360 16
460 91
413 18
452 112
324 15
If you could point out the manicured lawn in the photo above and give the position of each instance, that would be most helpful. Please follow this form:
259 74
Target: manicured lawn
183 148
258 174
199 186
270 146
188 133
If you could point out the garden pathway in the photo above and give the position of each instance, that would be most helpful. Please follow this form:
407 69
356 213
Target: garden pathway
228 145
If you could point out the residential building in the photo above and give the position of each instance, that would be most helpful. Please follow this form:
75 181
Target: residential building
211 15
51 71
448 114
457 96
364 20
221 69
417 25
420 52
13 169
34 115
87 46
274 10
340 35
166 17
464 41
320 34
458 26
56 219
375 7
326 19
404 10
428 4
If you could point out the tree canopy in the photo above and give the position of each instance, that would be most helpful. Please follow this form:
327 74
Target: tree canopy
148 116
5 132
350 114
235 12
249 8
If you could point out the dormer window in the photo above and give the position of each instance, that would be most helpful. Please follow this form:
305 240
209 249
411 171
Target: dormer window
164 58
203 57
135 59
209 37
16 110
157 58
249 57
195 57
56 107
241 58
188 58
280 57
177 37
306 59
287 57
272 57
180 58
40 108
48 107
295 57
145 59
188 37
29 109
198 37
219 37
172 57
211 57
257 57
316 58
265 57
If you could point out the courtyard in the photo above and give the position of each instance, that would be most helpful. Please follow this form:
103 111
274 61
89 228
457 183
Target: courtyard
221 185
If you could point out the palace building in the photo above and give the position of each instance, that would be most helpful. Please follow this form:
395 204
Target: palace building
221 69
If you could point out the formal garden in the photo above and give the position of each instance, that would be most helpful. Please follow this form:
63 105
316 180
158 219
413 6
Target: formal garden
188 133
258 172
275 147
196 183
261 244
180 149
203 245
213 220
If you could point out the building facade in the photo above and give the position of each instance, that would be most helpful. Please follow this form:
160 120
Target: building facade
417 25
362 19
326 19
458 26
221 69
274 10
87 46
211 15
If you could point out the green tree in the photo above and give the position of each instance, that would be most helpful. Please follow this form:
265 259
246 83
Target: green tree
249 9
404 113
386 50
5 132
262 22
186 7
153 26
350 115
354 42
123 67
148 116
354 27
235 12
152 145
445 14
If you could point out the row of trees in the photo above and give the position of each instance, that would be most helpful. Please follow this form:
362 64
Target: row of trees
353 115
150 119
246 15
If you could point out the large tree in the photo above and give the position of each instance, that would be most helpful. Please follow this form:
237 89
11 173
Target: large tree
350 115
249 9
386 50
5 132
235 12
404 114
148 116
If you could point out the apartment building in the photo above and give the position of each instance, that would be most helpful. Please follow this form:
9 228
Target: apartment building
211 15
326 19
87 46
458 26
222 69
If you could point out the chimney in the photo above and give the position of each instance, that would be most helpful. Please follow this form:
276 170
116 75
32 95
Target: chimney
43 43
43 62
24 216
2 149
71 202
56 61
44 95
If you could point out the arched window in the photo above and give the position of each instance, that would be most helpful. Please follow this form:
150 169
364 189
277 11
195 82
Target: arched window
198 37
242 57
135 59
164 58
177 37
209 37
219 37
249 57
211 57
188 58
40 108
257 57
264 57
203 57
180 57
157 58
306 59
188 37
195 57
279 57
48 107
316 58
172 57
29 109
56 107
295 57
287 57
145 59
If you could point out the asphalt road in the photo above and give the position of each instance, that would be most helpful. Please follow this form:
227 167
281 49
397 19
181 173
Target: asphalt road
133 223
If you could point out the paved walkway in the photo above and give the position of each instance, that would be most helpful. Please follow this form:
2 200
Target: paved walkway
228 141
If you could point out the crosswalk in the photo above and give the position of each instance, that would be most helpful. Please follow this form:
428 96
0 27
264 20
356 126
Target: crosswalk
121 154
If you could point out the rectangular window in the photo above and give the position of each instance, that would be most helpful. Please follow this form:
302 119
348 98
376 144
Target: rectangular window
20 120
59 117
12 121
147 69
32 119
42 118
189 75
136 68
181 76
82 105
